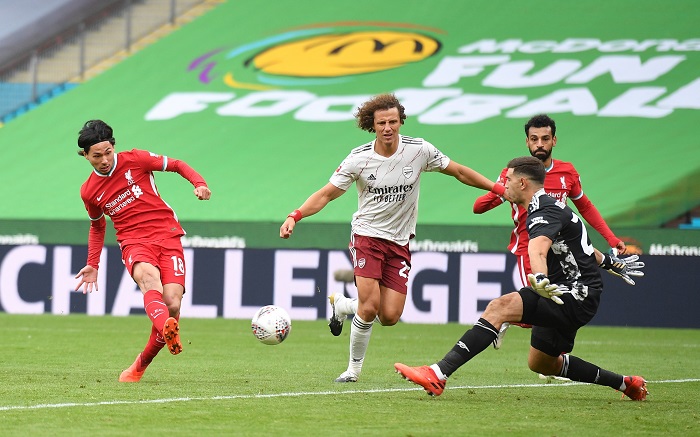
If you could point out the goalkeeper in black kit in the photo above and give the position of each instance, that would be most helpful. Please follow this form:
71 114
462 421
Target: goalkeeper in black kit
562 297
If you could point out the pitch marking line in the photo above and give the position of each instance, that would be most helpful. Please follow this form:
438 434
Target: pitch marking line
299 394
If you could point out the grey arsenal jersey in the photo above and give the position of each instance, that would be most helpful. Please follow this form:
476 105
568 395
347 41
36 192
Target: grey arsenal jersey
387 188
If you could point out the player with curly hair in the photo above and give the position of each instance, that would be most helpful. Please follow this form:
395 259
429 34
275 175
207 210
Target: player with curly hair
386 172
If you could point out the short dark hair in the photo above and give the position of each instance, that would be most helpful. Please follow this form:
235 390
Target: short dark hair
540 120
529 167
365 113
93 132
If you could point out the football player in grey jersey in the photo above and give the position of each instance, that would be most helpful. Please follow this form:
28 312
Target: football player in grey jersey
386 172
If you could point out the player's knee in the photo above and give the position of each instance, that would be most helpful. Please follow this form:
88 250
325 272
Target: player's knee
506 308
535 367
389 315
497 308
146 276
174 309
546 367
390 320
173 302
368 308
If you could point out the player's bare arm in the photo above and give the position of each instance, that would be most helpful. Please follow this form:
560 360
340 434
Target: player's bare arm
311 206
539 282
537 250
471 177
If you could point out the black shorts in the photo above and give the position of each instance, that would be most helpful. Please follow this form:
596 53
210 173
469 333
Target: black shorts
555 326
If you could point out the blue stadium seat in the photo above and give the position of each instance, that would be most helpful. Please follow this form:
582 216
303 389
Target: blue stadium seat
694 224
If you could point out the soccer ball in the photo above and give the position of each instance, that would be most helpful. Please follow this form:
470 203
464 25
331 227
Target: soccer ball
271 324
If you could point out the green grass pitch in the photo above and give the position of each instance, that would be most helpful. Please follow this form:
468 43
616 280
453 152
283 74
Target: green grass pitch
58 376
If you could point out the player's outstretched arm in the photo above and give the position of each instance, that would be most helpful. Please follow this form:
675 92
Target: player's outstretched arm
201 189
311 206
490 200
591 214
473 178
487 202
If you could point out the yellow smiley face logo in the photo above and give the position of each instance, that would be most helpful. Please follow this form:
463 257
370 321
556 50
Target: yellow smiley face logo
345 54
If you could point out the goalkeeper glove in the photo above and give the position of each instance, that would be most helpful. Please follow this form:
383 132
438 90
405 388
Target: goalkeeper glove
540 284
623 267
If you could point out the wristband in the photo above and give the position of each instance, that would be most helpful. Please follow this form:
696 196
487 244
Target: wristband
607 261
296 215
498 189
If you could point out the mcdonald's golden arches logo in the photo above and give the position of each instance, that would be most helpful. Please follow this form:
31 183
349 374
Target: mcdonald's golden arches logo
345 54
318 54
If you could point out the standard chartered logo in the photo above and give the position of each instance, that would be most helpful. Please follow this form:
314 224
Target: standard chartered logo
119 198
126 198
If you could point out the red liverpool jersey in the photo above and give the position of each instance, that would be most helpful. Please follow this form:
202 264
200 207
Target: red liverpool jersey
128 195
562 182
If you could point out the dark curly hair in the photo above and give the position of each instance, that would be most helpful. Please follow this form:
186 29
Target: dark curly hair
540 120
93 132
365 113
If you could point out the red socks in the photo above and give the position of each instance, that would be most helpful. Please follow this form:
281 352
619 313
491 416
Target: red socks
156 309
154 345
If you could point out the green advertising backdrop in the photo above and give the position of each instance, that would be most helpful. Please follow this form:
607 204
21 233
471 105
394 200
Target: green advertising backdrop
260 102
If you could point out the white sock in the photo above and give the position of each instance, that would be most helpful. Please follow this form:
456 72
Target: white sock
346 306
623 386
441 376
351 305
360 332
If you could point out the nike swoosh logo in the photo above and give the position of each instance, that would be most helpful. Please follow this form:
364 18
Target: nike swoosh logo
100 196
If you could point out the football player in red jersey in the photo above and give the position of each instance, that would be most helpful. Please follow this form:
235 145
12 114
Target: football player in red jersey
122 186
561 182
